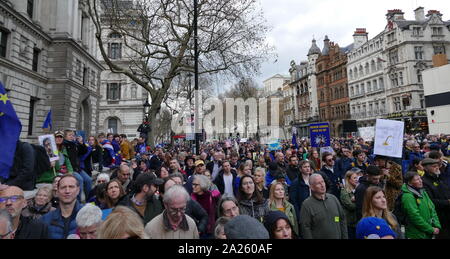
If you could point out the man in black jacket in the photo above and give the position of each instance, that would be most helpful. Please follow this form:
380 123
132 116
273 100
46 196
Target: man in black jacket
439 193
22 172
292 170
226 179
372 178
12 199
331 174
215 166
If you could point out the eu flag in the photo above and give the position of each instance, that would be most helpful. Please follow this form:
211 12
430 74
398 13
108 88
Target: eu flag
48 121
10 128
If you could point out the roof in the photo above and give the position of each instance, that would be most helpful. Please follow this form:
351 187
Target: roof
348 48
314 49
326 47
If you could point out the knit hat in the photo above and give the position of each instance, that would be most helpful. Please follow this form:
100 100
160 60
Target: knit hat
272 217
245 227
429 161
373 228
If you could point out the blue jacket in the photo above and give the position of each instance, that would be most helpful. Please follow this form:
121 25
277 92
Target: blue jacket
55 223
343 165
298 193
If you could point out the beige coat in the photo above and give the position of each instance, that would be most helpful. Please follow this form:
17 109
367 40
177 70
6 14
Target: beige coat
155 230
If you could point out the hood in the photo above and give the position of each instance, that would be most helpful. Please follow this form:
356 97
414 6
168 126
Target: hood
408 189
272 217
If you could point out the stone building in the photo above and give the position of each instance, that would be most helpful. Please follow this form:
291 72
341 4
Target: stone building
366 80
47 63
390 66
121 104
332 88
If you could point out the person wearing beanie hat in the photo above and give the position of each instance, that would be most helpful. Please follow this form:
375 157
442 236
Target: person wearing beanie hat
245 227
371 178
374 228
278 225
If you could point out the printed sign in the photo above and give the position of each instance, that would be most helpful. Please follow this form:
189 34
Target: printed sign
320 134
367 133
49 143
389 138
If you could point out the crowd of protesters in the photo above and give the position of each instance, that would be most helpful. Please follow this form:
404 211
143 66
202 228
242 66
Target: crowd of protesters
108 187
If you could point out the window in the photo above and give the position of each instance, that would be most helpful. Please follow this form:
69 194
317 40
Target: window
372 66
3 42
352 91
351 74
397 104
437 31
112 125
369 87
381 81
115 35
393 57
78 68
375 85
417 31
36 53
400 78
391 37
418 52
85 76
422 101
361 72
92 78
367 69
419 76
406 102
394 80
115 50
370 109
382 107
376 108
30 5
440 49
31 115
113 91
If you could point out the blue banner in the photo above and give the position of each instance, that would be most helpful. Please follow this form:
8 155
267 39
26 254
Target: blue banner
275 146
10 128
320 134
48 121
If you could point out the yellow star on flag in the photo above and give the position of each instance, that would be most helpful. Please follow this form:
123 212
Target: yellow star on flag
4 98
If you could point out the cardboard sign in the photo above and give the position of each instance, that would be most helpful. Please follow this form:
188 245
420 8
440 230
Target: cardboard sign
320 134
389 138
49 143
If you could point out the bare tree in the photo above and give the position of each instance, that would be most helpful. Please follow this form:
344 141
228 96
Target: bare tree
245 88
159 37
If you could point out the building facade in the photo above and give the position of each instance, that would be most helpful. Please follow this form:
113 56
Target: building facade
304 83
366 82
399 54
47 62
288 112
273 84
332 88
121 104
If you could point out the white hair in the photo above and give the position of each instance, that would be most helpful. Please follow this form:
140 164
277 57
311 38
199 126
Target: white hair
175 191
103 176
313 177
204 181
89 215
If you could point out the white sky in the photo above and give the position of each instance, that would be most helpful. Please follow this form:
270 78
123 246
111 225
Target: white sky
294 22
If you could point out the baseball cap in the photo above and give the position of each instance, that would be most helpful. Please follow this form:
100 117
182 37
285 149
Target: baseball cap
373 228
199 162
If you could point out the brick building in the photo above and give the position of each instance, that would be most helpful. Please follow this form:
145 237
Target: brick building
332 89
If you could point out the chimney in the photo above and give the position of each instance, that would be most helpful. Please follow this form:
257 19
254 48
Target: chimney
431 12
420 14
360 37
395 15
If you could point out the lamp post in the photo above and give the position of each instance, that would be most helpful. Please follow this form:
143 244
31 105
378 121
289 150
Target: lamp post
146 110
197 143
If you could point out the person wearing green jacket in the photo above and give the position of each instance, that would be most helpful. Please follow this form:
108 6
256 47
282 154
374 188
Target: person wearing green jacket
422 219
278 201
62 165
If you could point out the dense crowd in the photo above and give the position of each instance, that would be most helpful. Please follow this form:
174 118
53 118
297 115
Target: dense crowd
108 187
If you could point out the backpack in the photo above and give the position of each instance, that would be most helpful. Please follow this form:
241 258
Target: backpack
41 160
398 210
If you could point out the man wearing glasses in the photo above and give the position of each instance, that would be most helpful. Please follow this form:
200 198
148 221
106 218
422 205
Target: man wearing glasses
173 223
13 201
330 174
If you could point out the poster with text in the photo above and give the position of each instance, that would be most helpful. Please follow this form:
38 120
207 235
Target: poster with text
320 134
389 138
49 143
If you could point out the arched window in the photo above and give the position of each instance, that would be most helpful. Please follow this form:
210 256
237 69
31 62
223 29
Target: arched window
361 72
367 69
356 73
112 125
372 66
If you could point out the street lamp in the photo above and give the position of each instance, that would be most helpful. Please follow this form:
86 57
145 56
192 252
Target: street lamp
146 109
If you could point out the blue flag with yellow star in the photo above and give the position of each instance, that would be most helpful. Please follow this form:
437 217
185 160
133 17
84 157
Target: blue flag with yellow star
10 128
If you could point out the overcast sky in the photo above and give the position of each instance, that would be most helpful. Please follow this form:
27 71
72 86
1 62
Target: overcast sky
294 22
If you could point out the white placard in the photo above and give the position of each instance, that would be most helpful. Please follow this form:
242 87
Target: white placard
367 133
244 140
49 143
389 138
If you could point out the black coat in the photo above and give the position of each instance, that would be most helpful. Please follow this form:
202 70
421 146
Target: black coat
298 193
198 214
31 229
359 195
220 183
333 180
22 172
439 193
153 208
74 151
292 172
